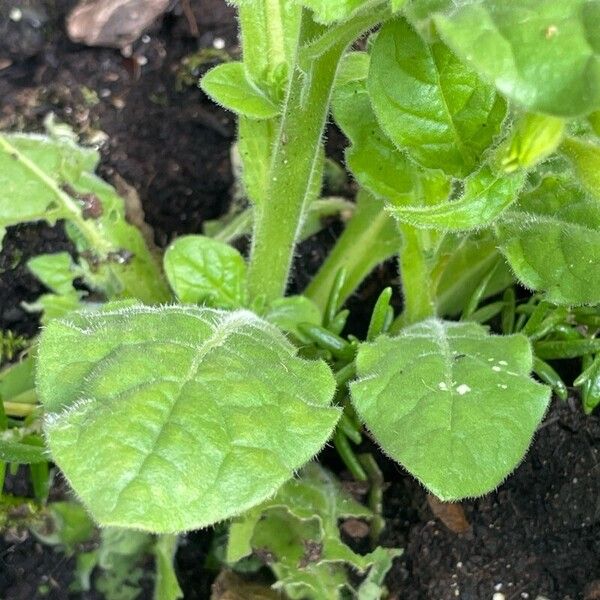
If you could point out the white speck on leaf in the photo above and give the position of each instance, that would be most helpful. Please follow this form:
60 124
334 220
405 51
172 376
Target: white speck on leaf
463 389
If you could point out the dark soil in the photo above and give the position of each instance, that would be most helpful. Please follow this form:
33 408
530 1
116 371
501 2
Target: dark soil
538 534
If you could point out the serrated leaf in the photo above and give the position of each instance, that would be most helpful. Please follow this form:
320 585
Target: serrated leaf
373 159
551 239
202 270
230 86
429 103
207 407
486 195
452 404
543 55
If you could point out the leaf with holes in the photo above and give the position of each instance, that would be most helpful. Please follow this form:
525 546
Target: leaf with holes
174 418
452 404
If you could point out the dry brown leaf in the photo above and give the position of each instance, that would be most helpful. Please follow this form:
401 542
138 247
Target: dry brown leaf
451 514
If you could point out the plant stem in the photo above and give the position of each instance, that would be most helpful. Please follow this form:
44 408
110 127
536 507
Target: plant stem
18 409
369 238
417 284
296 156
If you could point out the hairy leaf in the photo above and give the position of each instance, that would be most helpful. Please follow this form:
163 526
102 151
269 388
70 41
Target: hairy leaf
373 159
552 241
585 158
204 271
452 404
299 529
185 416
544 55
230 86
429 103
485 197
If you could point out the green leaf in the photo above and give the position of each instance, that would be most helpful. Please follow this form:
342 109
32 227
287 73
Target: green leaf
166 586
454 405
429 103
373 159
288 312
299 530
534 138
464 262
45 178
14 451
230 86
17 378
202 270
585 158
330 11
55 271
486 195
24 197
543 55
144 405
551 239
68 524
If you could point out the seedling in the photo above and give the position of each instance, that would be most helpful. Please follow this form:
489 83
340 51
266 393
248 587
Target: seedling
474 145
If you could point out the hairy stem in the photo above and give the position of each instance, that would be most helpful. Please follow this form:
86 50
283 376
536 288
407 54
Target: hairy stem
296 156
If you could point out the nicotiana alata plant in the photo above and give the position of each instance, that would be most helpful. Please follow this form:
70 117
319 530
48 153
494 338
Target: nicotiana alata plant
473 131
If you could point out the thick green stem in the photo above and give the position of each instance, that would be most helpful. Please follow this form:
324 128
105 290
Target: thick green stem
296 157
417 284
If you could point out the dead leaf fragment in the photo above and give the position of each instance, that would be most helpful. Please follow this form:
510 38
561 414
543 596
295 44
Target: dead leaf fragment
451 514
113 23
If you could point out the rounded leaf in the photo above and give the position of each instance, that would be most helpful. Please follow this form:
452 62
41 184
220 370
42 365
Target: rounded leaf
452 404
173 418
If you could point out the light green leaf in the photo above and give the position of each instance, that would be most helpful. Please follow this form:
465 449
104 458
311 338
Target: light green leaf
13 450
485 197
288 312
543 55
585 158
373 159
429 103
24 197
202 270
552 241
166 586
299 528
354 66
230 86
209 407
452 404
44 178
55 271
69 525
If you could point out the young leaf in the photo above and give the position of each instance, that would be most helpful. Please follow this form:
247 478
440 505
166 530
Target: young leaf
148 404
543 55
429 103
486 196
452 404
373 159
55 271
204 271
229 85
330 11
552 241
287 313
